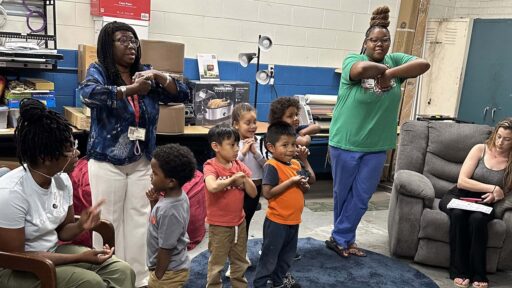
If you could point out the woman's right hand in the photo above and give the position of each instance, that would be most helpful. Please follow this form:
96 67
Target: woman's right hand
143 85
97 257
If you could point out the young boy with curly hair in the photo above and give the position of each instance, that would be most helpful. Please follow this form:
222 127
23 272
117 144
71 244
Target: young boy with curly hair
287 109
173 165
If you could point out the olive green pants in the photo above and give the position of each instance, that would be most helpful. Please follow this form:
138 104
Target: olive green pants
112 273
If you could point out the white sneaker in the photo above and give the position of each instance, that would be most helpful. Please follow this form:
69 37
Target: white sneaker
228 272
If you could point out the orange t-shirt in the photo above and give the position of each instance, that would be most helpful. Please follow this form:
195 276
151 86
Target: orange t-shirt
286 208
225 208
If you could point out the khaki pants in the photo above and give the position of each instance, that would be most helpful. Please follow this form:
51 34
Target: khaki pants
171 279
222 245
112 273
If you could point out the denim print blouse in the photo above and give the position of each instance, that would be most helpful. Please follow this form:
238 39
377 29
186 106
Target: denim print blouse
111 117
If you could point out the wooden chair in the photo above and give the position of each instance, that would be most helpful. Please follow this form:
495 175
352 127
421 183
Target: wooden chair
43 268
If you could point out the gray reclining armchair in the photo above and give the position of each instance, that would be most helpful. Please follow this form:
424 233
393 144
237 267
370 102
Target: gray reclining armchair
430 155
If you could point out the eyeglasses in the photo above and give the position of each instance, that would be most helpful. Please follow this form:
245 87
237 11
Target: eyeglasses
127 41
75 151
383 41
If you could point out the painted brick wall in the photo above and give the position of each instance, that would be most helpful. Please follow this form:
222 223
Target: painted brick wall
442 8
484 9
316 33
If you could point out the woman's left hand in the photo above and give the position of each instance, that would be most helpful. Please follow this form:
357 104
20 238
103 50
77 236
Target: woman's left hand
384 81
488 198
153 75
91 216
147 75
498 193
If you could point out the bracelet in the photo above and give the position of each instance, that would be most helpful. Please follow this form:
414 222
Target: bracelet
123 90
493 189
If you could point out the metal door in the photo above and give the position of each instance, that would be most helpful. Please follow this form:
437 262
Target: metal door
487 91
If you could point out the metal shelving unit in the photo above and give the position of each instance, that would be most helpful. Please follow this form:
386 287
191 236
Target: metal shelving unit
46 61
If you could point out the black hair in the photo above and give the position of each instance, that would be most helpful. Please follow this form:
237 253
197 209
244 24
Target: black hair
380 19
278 129
105 52
176 161
221 132
279 106
41 134
240 109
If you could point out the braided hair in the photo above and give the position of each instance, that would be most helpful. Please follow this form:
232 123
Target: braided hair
105 52
380 19
41 134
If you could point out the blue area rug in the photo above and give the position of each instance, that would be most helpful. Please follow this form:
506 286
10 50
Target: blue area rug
321 267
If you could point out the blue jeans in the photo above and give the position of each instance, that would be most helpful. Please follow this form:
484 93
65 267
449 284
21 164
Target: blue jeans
279 247
355 178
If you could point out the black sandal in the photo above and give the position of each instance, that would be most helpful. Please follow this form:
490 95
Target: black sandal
333 245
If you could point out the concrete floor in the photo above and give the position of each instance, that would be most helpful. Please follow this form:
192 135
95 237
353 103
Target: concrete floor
371 234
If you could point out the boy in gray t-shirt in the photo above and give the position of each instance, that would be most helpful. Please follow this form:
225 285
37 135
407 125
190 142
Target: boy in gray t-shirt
173 165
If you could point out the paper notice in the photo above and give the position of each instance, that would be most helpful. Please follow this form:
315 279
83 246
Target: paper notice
464 205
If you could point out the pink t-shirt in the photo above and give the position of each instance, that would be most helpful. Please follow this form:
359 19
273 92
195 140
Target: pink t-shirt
225 208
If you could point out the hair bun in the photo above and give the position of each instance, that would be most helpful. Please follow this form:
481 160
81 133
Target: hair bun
380 17
32 110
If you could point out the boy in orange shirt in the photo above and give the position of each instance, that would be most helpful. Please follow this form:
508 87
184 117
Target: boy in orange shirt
226 179
284 182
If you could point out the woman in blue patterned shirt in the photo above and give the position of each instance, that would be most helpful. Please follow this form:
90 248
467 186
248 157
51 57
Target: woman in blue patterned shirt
124 97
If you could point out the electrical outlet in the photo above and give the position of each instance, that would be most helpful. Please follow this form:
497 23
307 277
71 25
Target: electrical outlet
272 73
271 69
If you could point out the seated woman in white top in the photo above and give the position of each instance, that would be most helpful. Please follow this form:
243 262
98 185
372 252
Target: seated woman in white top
36 212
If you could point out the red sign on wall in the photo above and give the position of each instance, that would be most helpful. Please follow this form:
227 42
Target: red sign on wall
129 9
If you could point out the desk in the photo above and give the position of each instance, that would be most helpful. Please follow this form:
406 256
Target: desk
194 131
194 137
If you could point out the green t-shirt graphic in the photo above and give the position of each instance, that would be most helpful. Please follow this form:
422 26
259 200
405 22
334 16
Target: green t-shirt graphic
364 120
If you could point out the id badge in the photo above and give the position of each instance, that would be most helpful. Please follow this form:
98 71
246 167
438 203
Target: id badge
136 133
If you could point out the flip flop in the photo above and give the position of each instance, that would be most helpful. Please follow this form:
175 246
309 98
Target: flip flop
331 244
356 251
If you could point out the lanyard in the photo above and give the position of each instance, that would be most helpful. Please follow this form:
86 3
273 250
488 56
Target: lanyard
136 108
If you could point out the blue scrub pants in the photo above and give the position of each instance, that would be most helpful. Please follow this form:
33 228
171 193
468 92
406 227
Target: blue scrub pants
355 176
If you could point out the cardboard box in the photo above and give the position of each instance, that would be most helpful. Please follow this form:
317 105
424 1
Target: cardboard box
86 56
171 119
48 99
162 55
230 92
129 9
39 84
77 118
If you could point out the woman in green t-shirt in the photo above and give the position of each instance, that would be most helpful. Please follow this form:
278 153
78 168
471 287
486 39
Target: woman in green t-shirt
363 126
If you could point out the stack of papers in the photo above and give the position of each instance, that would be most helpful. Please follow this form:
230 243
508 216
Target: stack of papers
464 205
